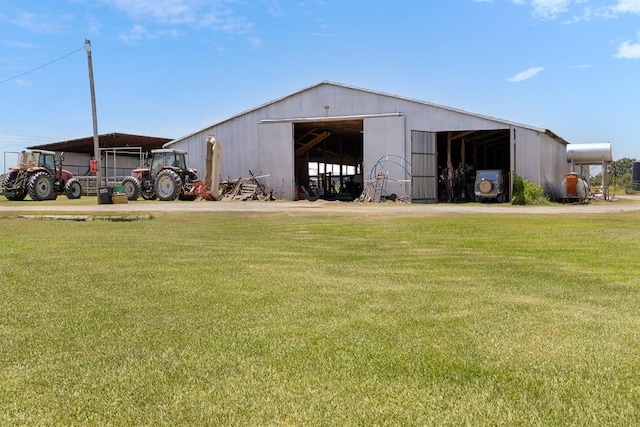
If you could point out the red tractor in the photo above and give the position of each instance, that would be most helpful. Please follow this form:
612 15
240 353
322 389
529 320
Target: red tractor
40 177
168 178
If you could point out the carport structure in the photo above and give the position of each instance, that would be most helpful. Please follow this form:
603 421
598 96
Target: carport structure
79 151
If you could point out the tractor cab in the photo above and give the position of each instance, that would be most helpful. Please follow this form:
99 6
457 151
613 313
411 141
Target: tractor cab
37 158
167 158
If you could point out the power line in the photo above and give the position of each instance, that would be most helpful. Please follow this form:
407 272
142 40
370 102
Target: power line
41 66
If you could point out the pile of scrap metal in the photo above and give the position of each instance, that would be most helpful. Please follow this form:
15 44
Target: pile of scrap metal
245 189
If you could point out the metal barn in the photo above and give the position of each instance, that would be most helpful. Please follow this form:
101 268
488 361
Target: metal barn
332 139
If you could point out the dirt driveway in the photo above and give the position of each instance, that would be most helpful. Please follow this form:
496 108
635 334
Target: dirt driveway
84 205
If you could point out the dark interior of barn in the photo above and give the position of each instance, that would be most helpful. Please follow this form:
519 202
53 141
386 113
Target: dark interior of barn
461 153
329 157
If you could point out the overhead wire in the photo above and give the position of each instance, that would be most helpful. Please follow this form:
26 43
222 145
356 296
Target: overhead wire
41 66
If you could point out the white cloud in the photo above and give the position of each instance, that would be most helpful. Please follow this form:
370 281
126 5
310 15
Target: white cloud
627 6
167 11
255 42
549 9
138 33
628 50
19 45
38 23
195 13
525 75
22 82
579 10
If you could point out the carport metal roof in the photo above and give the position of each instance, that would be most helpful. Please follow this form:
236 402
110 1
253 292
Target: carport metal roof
107 140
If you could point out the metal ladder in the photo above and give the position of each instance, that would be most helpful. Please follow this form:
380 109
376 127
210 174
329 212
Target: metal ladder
381 182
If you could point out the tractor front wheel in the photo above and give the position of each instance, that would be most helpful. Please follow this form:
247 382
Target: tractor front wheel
73 189
41 187
167 185
132 188
9 184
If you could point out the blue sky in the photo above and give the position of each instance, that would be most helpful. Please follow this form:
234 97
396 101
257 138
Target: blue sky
170 67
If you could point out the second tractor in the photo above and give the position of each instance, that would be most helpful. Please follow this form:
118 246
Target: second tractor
165 177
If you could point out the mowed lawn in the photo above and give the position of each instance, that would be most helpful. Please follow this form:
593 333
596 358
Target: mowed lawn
300 318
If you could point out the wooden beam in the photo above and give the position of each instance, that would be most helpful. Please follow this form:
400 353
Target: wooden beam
311 132
315 141
461 134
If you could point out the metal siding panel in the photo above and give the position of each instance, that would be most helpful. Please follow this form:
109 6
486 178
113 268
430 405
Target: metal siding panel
383 136
554 166
424 182
77 163
423 190
384 142
527 162
239 139
276 157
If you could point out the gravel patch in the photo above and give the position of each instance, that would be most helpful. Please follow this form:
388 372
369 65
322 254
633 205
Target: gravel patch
619 204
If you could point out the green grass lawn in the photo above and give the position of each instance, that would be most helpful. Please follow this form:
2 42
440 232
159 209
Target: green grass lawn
321 319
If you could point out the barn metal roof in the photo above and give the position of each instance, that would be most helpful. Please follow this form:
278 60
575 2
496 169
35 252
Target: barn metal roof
107 140
331 83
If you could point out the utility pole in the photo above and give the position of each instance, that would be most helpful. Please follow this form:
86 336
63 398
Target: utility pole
96 138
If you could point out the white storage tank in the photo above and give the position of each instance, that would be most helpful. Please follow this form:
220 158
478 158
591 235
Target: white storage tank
574 188
589 153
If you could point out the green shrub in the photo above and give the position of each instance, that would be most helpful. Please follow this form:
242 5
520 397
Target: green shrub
517 197
527 193
625 182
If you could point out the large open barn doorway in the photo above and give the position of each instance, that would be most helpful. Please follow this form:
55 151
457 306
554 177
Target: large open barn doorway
328 159
462 153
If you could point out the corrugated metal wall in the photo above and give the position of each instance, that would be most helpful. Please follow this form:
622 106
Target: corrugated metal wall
275 158
424 167
77 163
383 136
553 162
538 157
525 143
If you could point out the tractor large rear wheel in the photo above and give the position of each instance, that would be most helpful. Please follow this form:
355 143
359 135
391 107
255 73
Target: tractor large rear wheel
167 185
132 187
73 189
40 187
